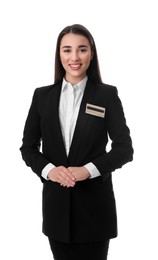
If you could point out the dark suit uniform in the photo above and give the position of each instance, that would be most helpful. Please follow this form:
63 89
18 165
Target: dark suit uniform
87 212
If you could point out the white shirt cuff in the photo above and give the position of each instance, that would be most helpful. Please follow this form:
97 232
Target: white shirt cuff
92 170
46 170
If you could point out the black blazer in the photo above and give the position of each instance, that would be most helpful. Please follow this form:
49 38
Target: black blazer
86 212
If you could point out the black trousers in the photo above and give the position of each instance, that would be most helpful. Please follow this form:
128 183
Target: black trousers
79 251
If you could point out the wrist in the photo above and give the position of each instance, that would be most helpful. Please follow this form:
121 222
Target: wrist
49 174
87 172
46 170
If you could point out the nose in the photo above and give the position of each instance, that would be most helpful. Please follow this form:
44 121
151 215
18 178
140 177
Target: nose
75 56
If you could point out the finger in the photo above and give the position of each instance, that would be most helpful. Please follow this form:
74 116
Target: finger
66 175
65 180
67 184
56 175
68 172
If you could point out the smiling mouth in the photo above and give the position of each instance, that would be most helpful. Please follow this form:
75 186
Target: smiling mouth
75 66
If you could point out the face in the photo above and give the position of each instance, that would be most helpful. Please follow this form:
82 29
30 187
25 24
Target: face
75 56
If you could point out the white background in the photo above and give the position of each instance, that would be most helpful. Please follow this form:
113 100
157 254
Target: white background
126 37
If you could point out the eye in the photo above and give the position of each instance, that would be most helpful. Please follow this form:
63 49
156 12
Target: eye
66 50
83 50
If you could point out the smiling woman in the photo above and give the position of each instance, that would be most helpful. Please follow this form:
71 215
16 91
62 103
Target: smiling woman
93 71
75 55
73 118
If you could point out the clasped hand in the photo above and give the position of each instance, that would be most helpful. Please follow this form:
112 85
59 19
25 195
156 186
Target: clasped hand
67 177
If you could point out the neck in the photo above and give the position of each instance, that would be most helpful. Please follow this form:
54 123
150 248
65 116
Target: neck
74 81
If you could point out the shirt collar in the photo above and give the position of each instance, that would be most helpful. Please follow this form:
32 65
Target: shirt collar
81 85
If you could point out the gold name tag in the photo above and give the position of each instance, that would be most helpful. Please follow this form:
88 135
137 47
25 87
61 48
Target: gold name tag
95 110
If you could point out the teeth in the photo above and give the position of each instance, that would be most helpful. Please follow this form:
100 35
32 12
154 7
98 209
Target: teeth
75 66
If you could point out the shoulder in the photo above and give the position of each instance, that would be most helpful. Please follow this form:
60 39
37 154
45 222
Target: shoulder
44 90
106 88
106 95
43 95
105 91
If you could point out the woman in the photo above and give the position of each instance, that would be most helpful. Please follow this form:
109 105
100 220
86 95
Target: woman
73 118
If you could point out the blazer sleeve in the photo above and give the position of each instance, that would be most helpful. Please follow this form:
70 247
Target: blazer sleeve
30 148
121 148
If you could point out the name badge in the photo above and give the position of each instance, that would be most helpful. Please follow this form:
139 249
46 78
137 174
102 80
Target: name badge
95 110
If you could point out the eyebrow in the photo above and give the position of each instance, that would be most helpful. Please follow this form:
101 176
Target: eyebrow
80 46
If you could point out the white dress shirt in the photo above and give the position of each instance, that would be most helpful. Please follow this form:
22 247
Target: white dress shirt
69 105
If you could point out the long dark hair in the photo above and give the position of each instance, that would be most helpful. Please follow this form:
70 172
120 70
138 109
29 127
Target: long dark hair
93 72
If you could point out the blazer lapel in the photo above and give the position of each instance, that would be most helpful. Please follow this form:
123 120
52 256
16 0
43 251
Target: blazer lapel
55 126
82 121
